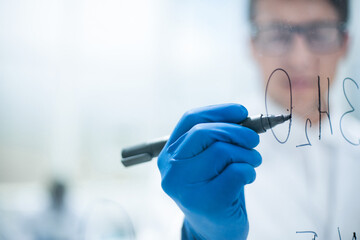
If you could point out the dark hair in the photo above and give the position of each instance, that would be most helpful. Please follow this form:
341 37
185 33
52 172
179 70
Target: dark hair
341 6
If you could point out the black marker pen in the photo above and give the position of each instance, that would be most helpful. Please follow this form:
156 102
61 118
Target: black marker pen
146 151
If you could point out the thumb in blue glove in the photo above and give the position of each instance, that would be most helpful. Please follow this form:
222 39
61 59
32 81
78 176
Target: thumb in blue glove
205 165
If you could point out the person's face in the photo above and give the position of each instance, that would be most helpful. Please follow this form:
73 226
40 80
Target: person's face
302 61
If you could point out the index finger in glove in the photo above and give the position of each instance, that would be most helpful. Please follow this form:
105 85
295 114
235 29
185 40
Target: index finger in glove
231 113
201 136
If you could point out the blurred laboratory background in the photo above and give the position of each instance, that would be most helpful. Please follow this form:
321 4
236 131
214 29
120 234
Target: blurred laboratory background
81 79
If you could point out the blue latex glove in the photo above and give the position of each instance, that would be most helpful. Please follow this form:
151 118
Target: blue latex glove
204 167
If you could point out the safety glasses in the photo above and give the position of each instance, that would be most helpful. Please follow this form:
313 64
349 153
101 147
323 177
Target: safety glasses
276 39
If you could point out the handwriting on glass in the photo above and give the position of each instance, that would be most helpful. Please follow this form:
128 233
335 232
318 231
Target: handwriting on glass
320 110
314 235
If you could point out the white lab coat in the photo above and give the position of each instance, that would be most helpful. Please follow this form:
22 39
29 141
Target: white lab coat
311 188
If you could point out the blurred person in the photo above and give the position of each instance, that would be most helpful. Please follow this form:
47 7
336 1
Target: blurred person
104 219
58 221
306 187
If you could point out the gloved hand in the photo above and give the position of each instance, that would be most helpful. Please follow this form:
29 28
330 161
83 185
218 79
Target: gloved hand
204 167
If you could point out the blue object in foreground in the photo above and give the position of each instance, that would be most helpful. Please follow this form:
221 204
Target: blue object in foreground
205 165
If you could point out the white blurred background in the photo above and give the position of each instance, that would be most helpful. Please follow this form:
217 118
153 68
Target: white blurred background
80 79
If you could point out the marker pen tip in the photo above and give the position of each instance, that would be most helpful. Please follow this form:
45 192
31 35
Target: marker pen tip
287 117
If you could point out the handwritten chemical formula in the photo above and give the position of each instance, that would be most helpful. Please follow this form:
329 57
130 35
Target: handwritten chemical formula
321 111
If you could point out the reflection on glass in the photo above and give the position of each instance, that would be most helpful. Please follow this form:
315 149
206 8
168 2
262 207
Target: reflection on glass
106 220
